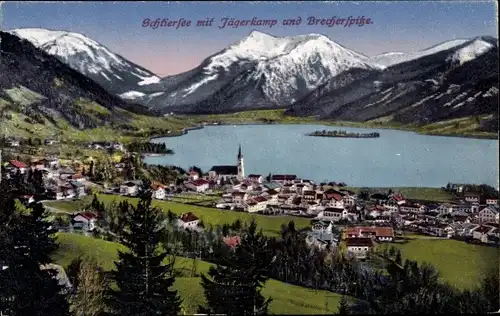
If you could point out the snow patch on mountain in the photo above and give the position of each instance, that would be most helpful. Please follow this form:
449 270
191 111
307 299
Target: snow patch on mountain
132 95
147 80
471 51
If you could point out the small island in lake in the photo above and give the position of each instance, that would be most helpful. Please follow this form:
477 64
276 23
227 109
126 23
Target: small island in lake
325 133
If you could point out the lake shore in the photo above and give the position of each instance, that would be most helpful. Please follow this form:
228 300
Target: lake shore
277 117
336 124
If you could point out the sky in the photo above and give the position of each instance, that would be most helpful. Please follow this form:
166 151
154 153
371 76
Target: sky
397 26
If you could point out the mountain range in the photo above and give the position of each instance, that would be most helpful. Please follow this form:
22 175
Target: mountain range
305 74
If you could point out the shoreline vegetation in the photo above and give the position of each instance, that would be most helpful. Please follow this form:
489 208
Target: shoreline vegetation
343 134
463 127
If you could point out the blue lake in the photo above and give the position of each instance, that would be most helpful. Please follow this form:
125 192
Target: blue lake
396 158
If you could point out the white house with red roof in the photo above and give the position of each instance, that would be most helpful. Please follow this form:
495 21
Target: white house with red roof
256 204
84 221
239 197
199 185
335 200
158 190
15 165
188 221
398 198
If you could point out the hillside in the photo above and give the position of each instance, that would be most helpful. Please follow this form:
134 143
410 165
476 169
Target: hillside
287 299
41 95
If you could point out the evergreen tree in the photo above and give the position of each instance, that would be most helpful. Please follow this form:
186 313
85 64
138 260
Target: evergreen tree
91 169
143 280
343 306
234 287
38 184
398 259
28 283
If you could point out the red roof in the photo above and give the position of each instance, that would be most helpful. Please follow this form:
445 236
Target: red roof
398 197
77 176
189 217
259 199
156 185
87 215
17 164
333 196
238 193
200 182
232 241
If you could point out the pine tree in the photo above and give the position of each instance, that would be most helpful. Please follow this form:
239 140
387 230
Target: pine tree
143 280
343 306
234 288
28 283
91 169
398 259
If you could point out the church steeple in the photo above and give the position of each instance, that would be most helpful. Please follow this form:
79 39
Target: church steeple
241 166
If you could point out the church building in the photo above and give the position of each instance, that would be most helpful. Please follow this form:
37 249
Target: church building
227 172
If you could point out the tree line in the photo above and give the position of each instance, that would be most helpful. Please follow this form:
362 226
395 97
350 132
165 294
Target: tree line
147 147
326 133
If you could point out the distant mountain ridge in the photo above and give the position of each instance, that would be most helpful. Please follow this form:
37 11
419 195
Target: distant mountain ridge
94 60
305 74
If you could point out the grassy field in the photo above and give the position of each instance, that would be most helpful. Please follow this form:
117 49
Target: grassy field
287 299
196 199
466 126
416 193
459 263
270 225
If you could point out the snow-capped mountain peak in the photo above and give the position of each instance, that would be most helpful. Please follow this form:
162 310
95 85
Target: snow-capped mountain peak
261 68
90 58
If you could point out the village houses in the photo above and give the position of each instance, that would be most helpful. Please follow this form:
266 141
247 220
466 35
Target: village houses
188 221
